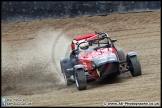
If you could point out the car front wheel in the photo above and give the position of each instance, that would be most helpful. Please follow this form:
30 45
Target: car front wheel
135 67
80 79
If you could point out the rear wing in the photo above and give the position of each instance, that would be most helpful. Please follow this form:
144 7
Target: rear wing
88 37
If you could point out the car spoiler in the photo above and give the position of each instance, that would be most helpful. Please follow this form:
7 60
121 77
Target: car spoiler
86 36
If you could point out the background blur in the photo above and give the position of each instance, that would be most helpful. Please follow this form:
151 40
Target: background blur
16 11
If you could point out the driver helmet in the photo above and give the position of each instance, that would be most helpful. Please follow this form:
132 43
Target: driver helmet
84 46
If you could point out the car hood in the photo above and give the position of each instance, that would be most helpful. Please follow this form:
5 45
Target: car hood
96 53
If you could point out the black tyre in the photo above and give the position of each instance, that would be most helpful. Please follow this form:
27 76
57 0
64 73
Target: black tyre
80 79
135 67
67 82
121 55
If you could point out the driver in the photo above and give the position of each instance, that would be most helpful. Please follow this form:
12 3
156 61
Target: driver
84 48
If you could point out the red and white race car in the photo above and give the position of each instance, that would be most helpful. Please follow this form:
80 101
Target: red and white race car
93 56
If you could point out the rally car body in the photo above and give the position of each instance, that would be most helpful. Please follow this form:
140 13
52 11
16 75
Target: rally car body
102 60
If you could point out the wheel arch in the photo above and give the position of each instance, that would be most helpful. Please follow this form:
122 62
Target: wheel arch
67 65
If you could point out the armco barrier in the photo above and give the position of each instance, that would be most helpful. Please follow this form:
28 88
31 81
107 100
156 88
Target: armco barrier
17 11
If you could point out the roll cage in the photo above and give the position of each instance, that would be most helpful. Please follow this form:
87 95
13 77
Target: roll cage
93 39
109 42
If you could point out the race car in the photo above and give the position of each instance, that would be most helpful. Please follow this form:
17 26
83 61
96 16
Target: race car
93 56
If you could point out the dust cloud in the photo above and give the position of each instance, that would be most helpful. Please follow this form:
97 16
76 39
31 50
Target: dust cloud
28 68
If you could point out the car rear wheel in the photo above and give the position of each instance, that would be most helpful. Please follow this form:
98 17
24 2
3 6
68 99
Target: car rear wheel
80 79
67 82
135 67
121 55
122 58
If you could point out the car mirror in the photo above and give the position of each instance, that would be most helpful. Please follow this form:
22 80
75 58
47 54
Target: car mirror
113 40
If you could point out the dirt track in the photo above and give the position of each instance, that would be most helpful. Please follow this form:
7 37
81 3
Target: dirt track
31 52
